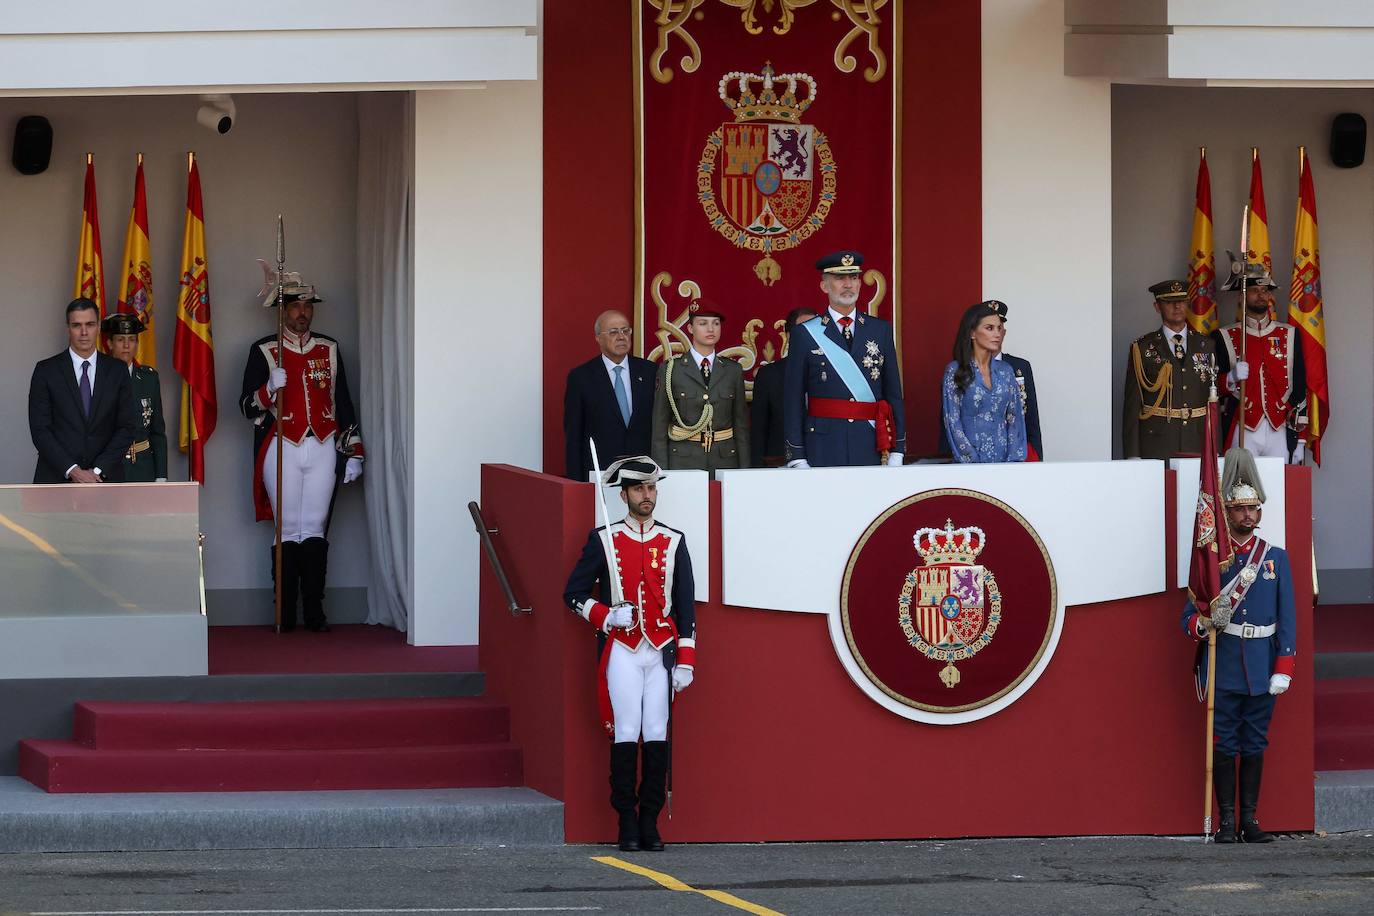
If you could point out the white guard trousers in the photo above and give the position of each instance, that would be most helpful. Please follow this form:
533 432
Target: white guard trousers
306 488
1268 442
639 687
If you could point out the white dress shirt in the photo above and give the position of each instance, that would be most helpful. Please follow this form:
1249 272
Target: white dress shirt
624 376
1169 333
698 357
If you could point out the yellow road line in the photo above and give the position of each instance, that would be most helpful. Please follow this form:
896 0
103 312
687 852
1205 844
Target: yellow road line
56 555
673 884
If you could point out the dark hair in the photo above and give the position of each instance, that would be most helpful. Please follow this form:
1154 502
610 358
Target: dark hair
794 316
81 305
963 343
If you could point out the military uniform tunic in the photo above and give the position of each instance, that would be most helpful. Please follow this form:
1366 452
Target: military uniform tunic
1164 410
146 459
724 441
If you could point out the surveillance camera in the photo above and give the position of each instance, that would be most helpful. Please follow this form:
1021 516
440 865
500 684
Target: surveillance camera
216 113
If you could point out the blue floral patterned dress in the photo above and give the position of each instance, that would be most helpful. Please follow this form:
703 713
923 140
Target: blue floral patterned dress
984 424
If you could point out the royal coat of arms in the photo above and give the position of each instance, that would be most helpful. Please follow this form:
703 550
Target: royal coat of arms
758 174
949 607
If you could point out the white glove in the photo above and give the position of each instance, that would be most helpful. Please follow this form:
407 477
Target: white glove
276 381
1279 683
353 469
799 463
1241 370
894 459
682 678
622 616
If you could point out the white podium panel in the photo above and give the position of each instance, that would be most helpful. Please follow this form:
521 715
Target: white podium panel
787 534
684 503
1273 524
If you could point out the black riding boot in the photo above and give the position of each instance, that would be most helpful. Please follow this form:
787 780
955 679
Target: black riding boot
1224 785
653 789
314 564
624 763
290 583
1251 769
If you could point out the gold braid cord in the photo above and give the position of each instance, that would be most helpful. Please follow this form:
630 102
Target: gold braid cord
680 430
1162 389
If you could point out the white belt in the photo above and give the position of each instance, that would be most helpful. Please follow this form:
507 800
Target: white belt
1250 631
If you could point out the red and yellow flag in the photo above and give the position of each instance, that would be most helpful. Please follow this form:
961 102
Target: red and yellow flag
1202 264
1258 252
136 280
1305 307
193 350
90 264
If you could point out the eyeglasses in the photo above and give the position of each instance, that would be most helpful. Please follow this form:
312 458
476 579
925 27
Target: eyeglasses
618 332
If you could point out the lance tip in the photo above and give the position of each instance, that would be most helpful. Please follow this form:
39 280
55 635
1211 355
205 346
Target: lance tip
90 158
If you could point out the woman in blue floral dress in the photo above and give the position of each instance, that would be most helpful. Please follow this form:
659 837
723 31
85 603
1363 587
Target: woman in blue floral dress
982 402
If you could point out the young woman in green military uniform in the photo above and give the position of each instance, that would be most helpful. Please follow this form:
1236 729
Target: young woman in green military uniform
146 460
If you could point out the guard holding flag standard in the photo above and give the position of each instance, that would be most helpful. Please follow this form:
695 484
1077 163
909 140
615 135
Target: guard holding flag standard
1255 626
645 614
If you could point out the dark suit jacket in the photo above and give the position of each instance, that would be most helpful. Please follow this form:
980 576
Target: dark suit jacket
60 431
765 414
590 411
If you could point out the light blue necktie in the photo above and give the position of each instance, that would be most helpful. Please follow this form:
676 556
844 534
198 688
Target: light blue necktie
622 397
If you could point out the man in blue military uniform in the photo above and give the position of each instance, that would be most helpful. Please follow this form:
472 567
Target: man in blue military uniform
842 391
1256 626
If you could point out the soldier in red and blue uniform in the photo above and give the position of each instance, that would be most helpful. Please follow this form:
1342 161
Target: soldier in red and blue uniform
1256 626
646 634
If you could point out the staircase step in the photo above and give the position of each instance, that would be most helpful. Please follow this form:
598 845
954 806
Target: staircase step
1344 701
1344 800
276 725
1344 747
65 766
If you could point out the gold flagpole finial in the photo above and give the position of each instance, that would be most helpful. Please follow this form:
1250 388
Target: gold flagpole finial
190 159
90 157
1254 153
1202 151
140 158
1302 157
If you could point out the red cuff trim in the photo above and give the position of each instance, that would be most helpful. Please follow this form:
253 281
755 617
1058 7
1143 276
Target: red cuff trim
597 614
1192 628
687 655
264 398
1285 664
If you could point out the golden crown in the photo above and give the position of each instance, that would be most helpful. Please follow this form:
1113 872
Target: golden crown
755 96
949 544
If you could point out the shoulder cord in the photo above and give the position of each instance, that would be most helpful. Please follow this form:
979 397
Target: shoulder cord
680 431
1162 387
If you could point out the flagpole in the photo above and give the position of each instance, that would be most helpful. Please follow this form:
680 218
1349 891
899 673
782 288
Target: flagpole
1210 429
281 326
1244 332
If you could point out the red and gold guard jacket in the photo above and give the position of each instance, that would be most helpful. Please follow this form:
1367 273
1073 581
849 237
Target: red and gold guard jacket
1276 384
315 401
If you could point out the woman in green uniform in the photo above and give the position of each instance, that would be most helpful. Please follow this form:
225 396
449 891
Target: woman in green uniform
146 460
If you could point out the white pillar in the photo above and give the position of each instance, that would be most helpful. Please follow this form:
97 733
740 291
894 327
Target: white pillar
478 340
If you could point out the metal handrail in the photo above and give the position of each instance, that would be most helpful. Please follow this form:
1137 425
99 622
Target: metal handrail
485 533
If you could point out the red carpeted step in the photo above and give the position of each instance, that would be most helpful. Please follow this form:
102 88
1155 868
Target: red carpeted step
1343 628
1344 702
65 766
1344 747
317 725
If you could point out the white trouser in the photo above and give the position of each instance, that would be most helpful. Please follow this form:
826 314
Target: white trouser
1268 442
638 683
307 485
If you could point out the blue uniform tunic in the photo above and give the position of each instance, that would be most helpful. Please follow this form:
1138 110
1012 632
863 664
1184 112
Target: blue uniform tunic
984 425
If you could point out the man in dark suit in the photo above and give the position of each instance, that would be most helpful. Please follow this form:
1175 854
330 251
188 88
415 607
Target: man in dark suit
609 400
81 407
765 411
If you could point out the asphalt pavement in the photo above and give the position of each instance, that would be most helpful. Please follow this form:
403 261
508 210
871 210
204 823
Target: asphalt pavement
1304 874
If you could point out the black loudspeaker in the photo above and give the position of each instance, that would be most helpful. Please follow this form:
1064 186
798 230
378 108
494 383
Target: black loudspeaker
32 144
1347 140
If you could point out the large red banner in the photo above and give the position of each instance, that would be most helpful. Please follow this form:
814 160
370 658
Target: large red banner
767 136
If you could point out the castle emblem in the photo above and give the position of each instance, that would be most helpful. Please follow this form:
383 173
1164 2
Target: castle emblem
957 606
758 174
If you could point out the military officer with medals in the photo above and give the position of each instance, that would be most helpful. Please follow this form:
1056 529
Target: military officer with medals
1166 382
146 459
842 392
701 420
1256 624
1272 375
321 444
643 607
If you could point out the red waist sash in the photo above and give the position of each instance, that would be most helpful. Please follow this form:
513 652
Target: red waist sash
880 412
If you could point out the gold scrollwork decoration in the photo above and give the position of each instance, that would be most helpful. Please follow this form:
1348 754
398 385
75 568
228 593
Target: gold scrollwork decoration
750 18
671 20
863 14
875 279
673 340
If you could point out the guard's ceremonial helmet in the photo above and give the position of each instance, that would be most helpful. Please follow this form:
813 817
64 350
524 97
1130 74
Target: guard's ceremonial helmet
629 471
122 323
1169 290
1240 480
1254 274
841 263
293 287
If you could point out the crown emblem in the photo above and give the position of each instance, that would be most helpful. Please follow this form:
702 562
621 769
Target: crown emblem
949 544
755 96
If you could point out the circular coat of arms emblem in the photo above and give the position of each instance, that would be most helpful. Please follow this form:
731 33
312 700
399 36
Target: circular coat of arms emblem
949 608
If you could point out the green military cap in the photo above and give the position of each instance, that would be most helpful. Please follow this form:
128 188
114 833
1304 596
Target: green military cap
122 323
1170 290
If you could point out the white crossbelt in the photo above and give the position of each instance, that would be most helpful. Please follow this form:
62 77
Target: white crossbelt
1250 631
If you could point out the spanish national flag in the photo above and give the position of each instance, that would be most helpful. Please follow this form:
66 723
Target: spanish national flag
90 264
193 351
1202 262
1258 252
136 280
1305 311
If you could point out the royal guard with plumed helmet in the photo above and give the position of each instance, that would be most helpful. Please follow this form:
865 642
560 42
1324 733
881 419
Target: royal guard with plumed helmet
634 584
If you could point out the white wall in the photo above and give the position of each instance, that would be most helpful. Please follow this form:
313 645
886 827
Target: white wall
478 314
293 154
1157 132
1047 219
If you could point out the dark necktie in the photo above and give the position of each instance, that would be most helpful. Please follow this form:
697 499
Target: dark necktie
86 388
845 328
1178 346
706 369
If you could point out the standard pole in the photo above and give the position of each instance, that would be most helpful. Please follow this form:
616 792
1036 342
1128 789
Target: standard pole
1244 333
276 407
1211 720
